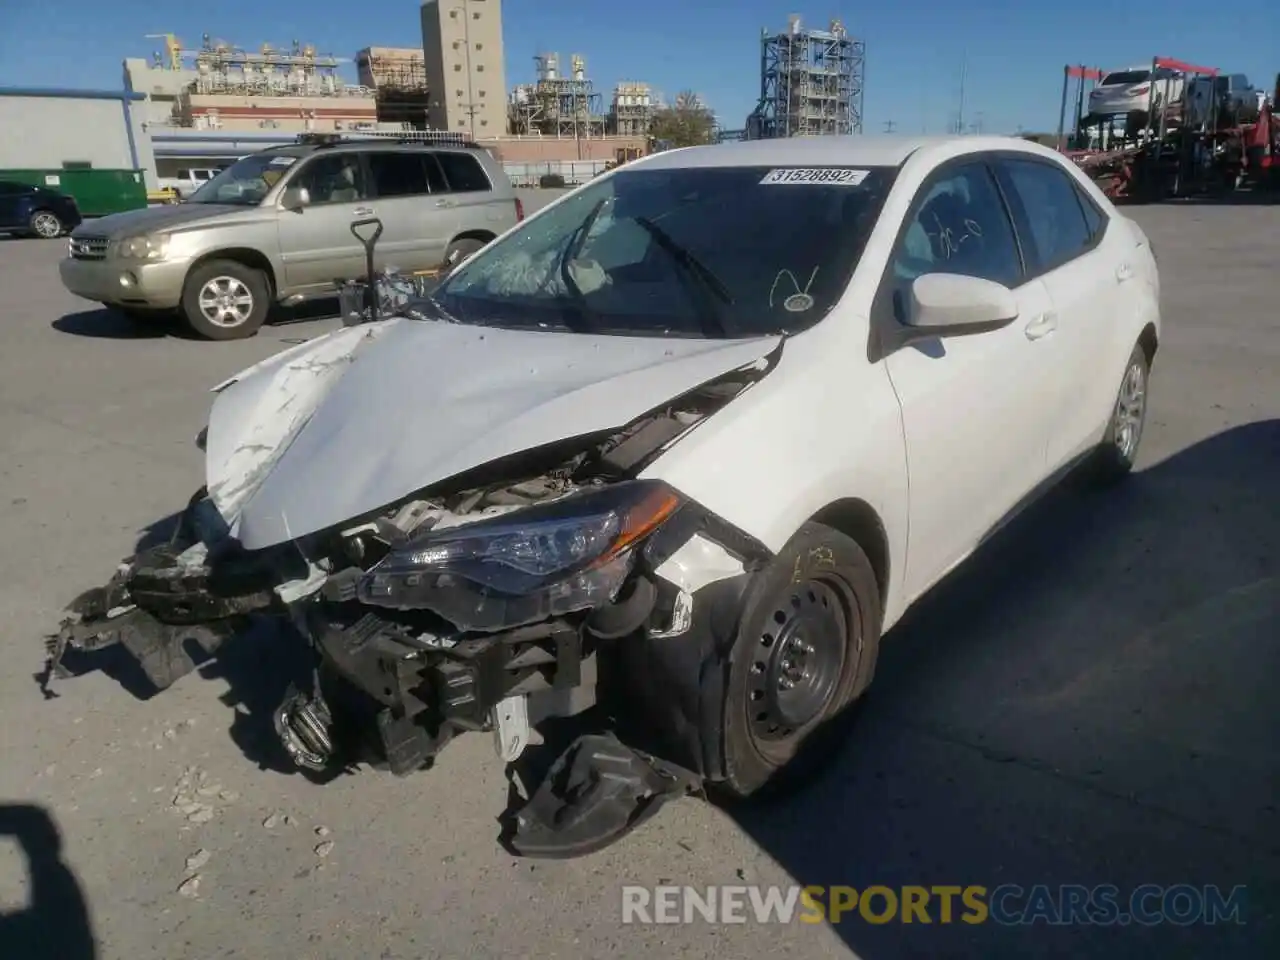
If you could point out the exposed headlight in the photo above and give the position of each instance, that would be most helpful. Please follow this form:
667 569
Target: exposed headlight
144 248
524 566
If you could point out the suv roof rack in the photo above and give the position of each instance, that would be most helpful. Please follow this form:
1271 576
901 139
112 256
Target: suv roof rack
320 139
317 139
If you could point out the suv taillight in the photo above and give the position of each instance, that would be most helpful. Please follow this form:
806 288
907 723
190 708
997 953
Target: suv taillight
1140 91
519 210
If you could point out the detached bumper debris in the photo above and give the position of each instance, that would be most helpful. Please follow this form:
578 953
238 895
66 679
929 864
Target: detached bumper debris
597 792
163 581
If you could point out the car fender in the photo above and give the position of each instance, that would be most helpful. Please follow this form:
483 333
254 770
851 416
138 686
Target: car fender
823 427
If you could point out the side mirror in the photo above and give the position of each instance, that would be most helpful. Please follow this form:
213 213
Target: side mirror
953 305
295 198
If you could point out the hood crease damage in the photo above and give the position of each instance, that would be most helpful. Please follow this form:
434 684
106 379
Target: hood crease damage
359 419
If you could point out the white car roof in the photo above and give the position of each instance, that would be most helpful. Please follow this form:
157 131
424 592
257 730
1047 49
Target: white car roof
870 150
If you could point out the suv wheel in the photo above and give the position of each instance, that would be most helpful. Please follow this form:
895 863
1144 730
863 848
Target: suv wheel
458 251
225 300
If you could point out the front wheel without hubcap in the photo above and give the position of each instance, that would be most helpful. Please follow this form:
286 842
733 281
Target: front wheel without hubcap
806 649
225 300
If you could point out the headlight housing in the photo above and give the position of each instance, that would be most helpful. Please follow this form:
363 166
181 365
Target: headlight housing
524 566
144 248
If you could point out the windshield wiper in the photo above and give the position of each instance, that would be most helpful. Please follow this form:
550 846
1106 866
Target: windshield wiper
695 269
577 240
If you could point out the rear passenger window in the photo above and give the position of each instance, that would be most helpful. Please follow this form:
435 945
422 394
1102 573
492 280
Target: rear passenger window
398 174
464 173
435 176
1092 217
1054 210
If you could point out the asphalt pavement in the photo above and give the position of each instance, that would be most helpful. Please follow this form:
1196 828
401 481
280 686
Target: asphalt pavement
1090 701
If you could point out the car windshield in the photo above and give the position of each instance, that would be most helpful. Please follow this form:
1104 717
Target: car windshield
1125 77
246 181
685 252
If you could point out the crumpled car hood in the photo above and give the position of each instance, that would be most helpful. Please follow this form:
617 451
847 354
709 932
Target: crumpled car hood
353 421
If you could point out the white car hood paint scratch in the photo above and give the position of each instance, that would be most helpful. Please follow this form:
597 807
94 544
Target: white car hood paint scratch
353 421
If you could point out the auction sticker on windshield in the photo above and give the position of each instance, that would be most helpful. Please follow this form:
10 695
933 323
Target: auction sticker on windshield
842 176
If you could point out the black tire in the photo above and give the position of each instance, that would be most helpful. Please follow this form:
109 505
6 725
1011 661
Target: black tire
823 582
1114 460
45 224
458 251
237 280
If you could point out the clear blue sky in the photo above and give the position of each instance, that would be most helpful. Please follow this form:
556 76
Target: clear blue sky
1015 50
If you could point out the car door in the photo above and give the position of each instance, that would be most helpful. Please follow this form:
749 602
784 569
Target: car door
316 242
973 409
411 201
1065 242
472 195
10 193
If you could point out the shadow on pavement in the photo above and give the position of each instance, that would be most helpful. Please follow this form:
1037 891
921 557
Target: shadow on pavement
57 922
106 324
1090 700
103 324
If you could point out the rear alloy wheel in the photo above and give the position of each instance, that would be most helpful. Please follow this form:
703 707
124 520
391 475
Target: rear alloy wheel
45 224
225 300
458 251
1119 450
806 649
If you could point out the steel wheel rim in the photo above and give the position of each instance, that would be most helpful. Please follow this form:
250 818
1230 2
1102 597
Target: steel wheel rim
47 225
226 301
1131 407
797 661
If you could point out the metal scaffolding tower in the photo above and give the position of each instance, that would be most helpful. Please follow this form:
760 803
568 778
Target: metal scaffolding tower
556 105
811 83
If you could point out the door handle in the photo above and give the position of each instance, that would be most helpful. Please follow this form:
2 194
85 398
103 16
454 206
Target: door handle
363 211
444 203
1124 272
1042 326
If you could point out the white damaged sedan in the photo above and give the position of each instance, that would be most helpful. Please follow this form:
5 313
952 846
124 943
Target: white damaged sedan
668 458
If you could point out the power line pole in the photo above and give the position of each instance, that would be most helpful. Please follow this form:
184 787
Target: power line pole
964 73
889 126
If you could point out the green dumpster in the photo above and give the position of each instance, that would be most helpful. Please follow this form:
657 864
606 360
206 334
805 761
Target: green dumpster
96 192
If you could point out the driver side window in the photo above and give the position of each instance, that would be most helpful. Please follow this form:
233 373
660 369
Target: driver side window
335 178
960 225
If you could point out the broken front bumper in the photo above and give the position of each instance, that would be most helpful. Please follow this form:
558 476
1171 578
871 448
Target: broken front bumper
391 696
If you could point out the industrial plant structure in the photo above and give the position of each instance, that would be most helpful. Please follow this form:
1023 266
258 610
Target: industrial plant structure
633 108
811 83
398 78
558 104
230 88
